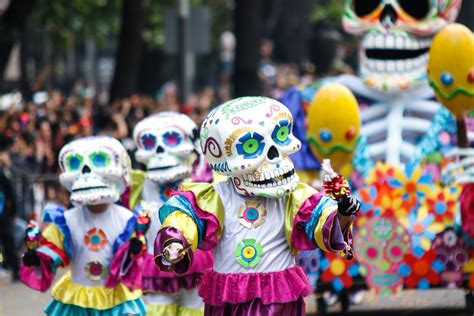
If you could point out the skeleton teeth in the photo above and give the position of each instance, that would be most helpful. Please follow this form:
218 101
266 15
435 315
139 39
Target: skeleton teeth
379 41
370 41
390 66
279 182
399 43
400 65
409 43
390 41
380 65
416 45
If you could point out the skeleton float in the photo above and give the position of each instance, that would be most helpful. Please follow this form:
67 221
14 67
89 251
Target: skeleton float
408 173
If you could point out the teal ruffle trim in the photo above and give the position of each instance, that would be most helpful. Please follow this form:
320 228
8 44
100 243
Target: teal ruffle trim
136 307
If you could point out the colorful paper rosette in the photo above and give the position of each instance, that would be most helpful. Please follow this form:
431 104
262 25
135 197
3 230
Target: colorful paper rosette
422 227
248 253
411 183
421 269
95 239
337 271
252 214
442 203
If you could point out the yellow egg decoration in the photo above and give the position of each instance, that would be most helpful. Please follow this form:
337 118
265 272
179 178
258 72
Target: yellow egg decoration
451 68
333 126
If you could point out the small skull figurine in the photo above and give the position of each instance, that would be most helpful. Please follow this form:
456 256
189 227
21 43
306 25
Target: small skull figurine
396 36
250 139
452 251
166 144
96 170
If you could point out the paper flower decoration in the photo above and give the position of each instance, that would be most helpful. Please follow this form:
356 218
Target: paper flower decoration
422 228
421 269
95 271
252 214
248 253
411 184
375 202
337 271
95 239
380 174
442 204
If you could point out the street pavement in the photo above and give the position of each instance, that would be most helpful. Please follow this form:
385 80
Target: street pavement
18 300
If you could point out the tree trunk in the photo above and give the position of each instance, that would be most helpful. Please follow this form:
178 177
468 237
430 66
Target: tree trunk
248 33
129 50
12 24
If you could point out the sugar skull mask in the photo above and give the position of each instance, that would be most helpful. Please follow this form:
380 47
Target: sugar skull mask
166 145
453 253
96 170
396 36
250 139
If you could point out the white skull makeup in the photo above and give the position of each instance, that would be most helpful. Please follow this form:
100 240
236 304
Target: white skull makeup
166 144
396 36
250 140
96 170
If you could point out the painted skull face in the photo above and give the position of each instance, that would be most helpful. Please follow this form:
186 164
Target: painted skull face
96 170
453 253
380 245
166 145
396 36
250 139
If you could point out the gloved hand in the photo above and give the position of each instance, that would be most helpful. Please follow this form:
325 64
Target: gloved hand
349 205
136 246
31 258
174 252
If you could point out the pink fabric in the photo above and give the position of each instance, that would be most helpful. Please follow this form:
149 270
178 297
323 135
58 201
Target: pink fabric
202 172
270 287
209 240
467 209
128 272
299 238
38 278
256 308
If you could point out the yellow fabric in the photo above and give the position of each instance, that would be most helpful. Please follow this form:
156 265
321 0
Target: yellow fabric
162 310
208 200
188 311
137 181
185 224
293 204
217 177
54 235
318 231
97 297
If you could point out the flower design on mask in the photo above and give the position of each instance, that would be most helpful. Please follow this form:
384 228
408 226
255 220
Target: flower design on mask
281 133
95 239
337 271
149 141
252 214
251 145
248 253
95 271
172 138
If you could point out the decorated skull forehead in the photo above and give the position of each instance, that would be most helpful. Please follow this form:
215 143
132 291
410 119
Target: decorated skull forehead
166 144
250 139
396 36
96 170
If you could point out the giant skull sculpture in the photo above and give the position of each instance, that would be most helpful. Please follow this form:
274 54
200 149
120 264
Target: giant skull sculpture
250 139
166 145
396 36
96 170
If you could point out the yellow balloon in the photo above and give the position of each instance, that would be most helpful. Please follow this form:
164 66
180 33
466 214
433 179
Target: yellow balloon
333 125
451 68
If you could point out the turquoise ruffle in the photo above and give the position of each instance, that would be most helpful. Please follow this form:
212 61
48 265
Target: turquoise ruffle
136 307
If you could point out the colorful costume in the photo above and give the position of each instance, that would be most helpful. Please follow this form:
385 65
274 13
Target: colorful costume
167 145
256 221
103 249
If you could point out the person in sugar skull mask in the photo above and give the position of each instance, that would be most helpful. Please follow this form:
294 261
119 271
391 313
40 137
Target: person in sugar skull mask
168 145
257 220
103 243
400 118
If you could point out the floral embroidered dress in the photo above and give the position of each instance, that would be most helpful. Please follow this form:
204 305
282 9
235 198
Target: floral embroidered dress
254 241
103 279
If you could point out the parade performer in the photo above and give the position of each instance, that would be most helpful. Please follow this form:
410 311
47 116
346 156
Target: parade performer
103 243
168 145
257 220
